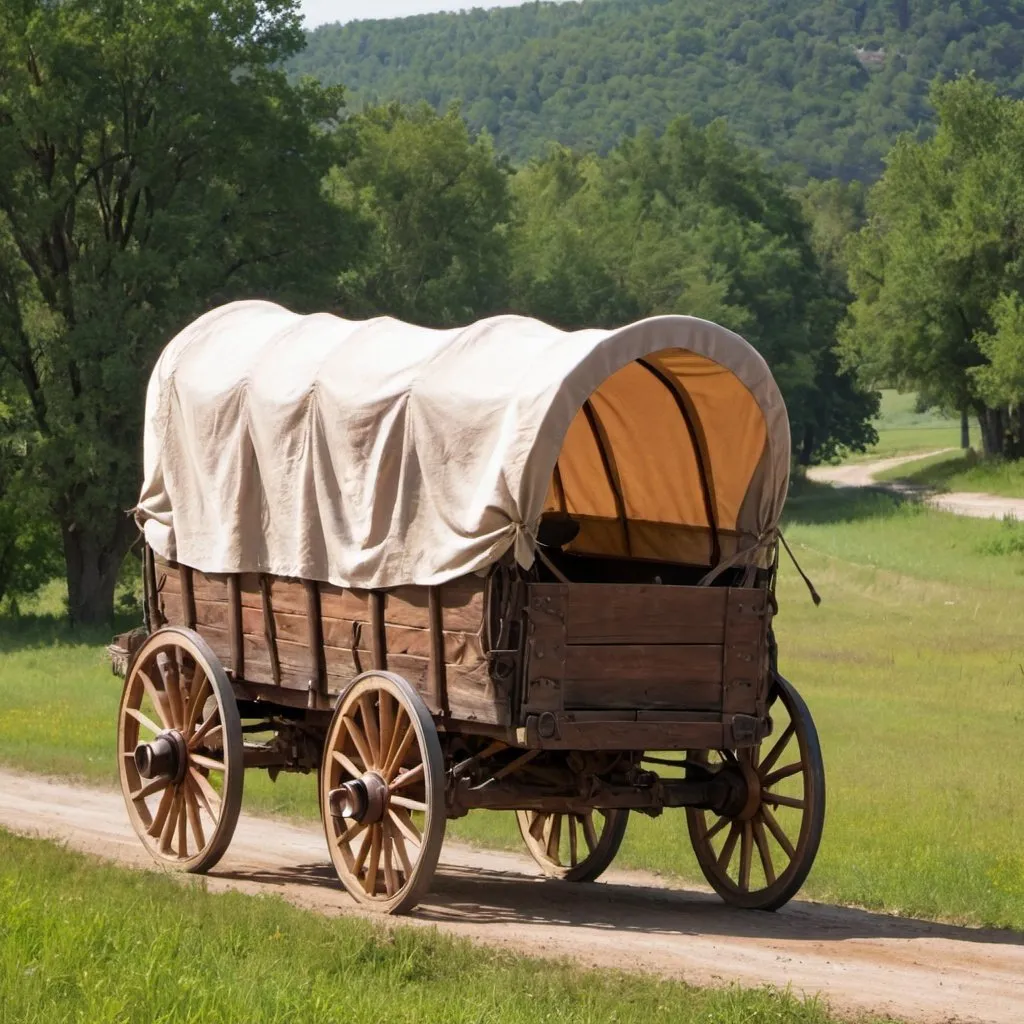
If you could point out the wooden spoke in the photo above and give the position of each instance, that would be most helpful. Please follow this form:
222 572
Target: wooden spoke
145 722
716 828
386 725
171 824
776 752
206 793
363 852
157 699
371 729
404 801
398 756
347 763
777 800
183 824
407 778
776 830
170 674
762 848
211 733
782 773
350 833
359 742
156 826
195 709
382 732
554 836
542 833
151 787
391 885
370 883
403 853
538 822
401 818
208 762
192 805
728 847
746 849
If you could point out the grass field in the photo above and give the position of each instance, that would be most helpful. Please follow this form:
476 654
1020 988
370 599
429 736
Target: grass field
913 667
903 431
86 942
961 471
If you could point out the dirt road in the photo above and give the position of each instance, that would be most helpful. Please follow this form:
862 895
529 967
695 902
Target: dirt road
857 960
961 503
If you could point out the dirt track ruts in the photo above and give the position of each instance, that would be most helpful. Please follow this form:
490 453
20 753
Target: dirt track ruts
858 961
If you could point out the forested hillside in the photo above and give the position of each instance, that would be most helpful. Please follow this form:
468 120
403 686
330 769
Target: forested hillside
825 85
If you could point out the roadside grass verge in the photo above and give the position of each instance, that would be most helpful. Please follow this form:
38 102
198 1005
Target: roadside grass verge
961 471
83 941
913 668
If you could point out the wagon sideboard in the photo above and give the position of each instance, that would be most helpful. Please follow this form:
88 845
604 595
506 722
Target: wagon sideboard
598 666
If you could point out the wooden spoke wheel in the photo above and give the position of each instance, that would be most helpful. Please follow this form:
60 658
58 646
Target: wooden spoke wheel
382 793
573 847
758 853
179 750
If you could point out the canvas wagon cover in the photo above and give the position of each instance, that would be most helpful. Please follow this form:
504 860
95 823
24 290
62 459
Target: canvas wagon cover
378 454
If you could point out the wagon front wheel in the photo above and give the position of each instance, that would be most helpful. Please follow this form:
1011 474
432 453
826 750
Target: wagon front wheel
573 847
757 855
382 793
180 751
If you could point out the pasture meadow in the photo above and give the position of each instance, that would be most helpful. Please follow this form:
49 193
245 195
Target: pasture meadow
85 941
913 667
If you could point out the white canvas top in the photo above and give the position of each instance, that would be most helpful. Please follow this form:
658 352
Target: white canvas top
376 454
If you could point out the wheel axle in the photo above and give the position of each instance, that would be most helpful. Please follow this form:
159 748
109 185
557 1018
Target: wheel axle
362 799
166 757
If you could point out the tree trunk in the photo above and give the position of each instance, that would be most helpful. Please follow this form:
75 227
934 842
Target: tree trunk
806 447
92 564
965 430
993 431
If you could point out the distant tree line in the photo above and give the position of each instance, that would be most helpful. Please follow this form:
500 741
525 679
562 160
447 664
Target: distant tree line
155 160
820 87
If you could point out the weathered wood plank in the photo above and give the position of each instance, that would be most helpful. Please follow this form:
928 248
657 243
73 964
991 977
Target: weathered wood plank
378 639
608 613
436 701
235 626
188 598
269 627
681 676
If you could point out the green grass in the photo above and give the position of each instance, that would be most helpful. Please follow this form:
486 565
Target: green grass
85 942
902 430
961 471
913 668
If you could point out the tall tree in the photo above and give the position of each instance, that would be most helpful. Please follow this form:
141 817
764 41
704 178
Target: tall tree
434 203
936 267
153 162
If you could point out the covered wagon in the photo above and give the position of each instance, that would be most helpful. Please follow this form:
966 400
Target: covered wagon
502 567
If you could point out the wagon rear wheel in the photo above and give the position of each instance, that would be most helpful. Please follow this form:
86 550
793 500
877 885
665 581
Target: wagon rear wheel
382 793
758 856
179 751
573 847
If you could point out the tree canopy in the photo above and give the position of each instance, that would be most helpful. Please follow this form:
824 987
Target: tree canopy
938 270
825 86
152 162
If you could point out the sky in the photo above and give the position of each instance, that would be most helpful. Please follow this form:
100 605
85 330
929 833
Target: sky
320 12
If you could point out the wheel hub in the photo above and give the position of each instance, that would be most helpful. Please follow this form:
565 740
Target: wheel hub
362 799
742 795
165 758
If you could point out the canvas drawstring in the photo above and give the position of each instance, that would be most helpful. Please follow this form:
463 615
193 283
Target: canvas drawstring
815 596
